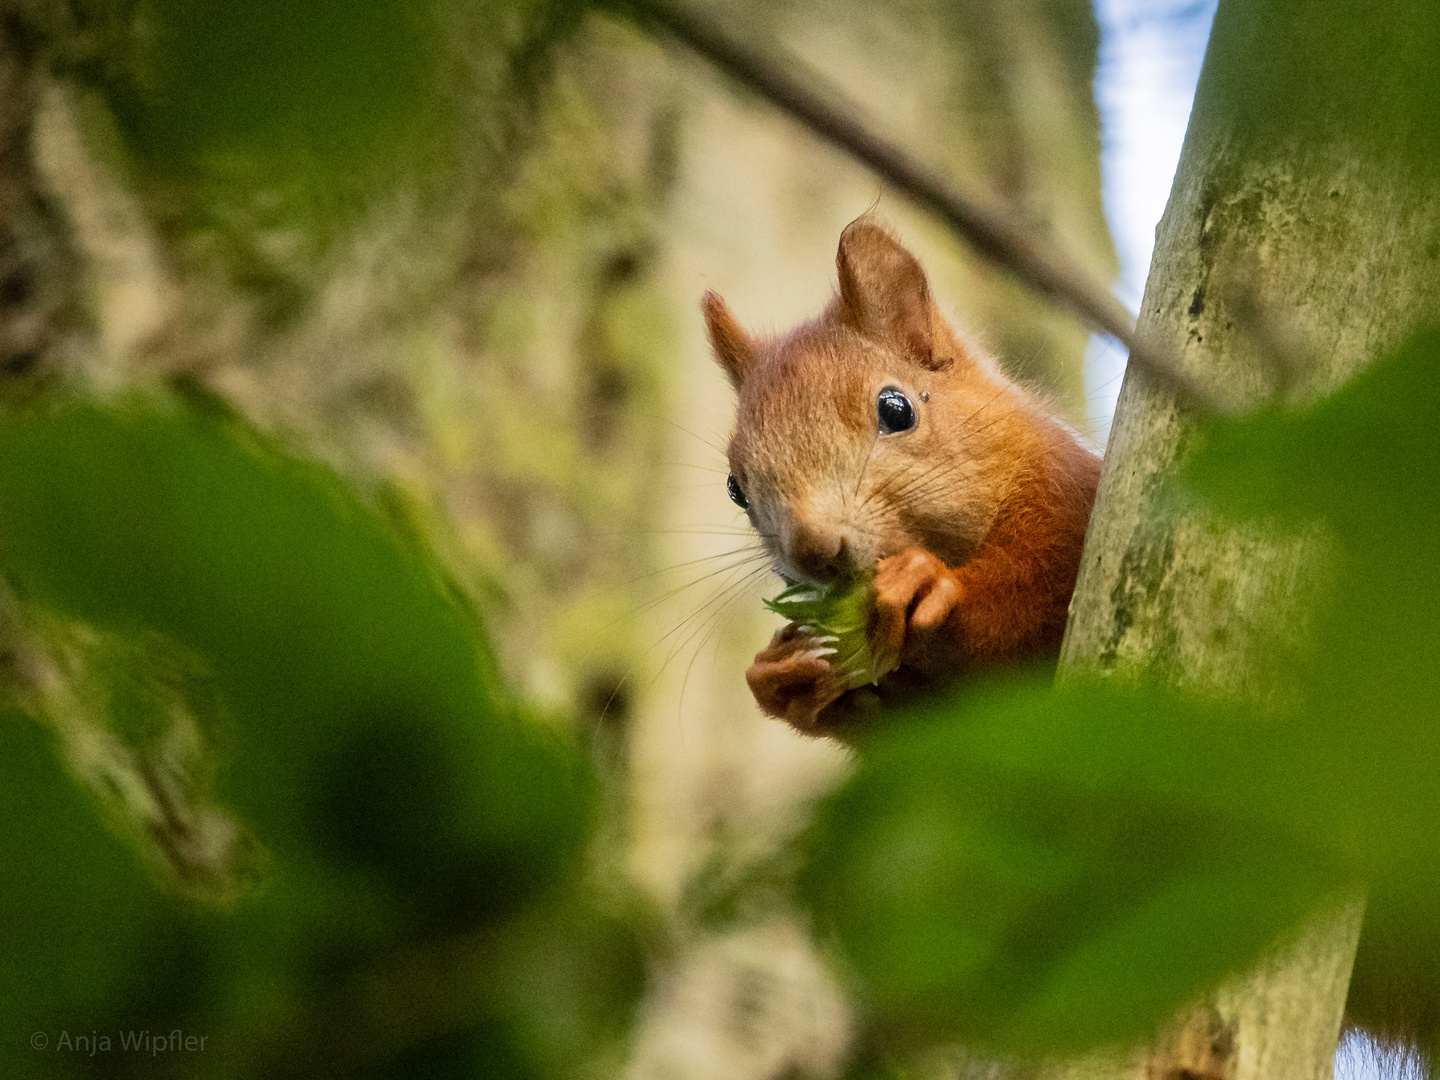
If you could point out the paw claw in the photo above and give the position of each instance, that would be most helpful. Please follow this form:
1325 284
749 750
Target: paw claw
793 680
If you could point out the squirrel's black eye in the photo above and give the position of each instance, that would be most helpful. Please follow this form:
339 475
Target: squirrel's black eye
896 412
736 495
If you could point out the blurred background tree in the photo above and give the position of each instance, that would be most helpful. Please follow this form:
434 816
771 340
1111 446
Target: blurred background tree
451 252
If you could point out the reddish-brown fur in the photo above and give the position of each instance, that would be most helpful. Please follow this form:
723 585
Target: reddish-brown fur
973 521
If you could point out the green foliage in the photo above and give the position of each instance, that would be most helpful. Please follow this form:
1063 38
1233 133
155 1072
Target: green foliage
76 909
986 891
1039 871
837 615
416 827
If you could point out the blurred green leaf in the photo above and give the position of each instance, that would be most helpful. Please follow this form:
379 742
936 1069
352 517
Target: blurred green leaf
362 726
401 799
1365 463
568 974
314 76
484 1049
989 894
1355 459
83 930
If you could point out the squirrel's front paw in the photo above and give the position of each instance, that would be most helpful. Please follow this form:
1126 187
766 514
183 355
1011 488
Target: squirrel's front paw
916 600
793 681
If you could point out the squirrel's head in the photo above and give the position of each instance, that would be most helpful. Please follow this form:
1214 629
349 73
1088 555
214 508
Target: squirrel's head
869 429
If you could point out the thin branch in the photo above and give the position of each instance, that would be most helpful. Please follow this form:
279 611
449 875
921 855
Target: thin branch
787 83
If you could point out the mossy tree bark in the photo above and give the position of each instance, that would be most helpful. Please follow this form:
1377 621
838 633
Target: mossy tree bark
1302 237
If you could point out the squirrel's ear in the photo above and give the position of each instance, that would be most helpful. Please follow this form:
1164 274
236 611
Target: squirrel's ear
733 347
883 291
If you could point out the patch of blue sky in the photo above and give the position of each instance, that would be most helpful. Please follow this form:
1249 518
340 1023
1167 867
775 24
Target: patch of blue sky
1150 56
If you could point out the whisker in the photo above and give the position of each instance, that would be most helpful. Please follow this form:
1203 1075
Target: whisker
908 484
863 466
915 480
642 608
679 627
748 550
991 401
698 530
992 423
730 606
715 445
728 596
729 588
694 465
744 559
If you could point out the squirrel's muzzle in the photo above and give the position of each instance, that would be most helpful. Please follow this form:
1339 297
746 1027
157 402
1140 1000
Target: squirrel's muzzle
819 552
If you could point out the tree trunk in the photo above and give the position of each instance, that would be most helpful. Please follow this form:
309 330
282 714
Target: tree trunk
1301 240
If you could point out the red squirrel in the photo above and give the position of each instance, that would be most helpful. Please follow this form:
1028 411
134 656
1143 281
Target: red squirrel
875 437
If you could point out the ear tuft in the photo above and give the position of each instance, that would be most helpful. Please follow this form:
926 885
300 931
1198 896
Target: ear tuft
883 291
734 350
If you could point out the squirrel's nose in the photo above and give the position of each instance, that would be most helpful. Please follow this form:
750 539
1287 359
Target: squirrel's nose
819 553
